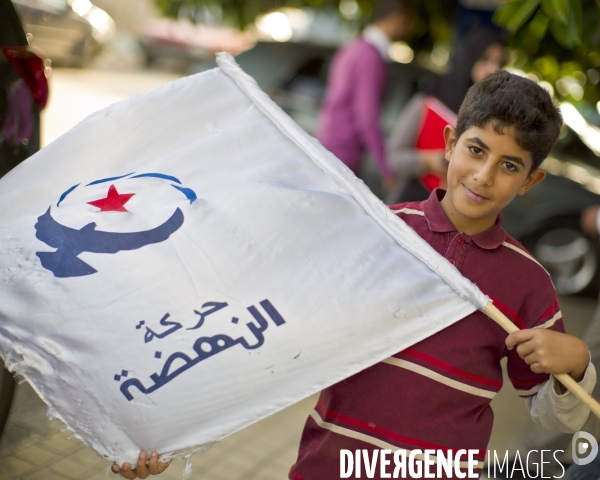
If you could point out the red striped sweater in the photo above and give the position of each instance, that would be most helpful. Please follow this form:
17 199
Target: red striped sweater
437 393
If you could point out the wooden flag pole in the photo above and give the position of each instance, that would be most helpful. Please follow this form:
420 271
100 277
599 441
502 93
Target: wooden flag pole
496 315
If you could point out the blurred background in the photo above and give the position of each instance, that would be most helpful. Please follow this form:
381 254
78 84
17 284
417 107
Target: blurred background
62 60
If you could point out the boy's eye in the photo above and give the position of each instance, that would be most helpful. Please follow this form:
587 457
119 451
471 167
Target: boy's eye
511 167
475 150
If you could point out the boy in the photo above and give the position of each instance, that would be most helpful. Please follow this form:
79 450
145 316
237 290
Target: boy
436 394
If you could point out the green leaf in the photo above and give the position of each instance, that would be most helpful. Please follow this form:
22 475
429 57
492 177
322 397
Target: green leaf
557 9
523 13
514 13
506 11
574 24
548 67
561 34
569 68
539 25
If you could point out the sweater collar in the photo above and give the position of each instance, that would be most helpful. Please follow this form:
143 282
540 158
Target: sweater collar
379 40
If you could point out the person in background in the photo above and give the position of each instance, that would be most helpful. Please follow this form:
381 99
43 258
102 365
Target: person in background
349 122
590 224
479 53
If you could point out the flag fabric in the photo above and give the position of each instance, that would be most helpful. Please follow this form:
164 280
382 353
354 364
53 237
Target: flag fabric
188 261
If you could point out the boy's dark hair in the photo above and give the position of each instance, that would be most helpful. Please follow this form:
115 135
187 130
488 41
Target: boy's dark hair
505 100
384 8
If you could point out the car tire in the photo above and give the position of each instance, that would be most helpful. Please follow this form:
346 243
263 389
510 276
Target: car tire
570 256
7 388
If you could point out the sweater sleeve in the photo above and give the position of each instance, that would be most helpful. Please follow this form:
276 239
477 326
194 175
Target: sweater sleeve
561 412
370 77
548 407
402 155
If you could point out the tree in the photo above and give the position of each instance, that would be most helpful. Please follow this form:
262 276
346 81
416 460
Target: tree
558 41
433 22
241 12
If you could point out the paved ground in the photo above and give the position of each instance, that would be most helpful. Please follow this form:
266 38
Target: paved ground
34 448
75 94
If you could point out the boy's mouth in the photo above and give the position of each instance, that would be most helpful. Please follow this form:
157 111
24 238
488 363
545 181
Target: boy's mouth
474 196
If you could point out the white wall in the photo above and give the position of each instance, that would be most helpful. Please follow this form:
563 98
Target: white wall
129 15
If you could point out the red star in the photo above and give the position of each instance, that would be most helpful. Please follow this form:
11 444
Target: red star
114 201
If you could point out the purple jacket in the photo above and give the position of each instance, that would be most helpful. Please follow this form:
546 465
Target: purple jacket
349 120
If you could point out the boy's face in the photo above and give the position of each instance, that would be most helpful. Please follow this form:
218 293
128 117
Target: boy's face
486 171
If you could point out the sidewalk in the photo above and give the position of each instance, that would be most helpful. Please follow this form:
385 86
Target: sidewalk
34 448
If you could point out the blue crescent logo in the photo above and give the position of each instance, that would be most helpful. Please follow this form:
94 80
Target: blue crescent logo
70 242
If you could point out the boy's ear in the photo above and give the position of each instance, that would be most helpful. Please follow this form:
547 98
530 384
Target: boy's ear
450 140
534 178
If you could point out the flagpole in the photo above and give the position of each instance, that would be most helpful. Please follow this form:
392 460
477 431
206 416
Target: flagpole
491 311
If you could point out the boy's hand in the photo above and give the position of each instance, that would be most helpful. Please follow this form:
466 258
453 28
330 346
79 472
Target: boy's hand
546 351
434 162
141 470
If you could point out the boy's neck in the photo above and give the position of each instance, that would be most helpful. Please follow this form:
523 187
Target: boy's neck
466 225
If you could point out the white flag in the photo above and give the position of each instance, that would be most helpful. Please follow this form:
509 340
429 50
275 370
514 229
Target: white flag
188 261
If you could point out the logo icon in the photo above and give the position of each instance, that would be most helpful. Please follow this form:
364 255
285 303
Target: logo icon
71 242
585 448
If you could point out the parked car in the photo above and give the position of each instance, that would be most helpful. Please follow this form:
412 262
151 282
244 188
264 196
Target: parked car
545 220
186 42
23 94
71 32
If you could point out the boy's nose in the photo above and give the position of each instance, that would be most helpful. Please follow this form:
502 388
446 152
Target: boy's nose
484 175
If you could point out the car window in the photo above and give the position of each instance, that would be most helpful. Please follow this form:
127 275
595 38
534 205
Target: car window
11 32
309 80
